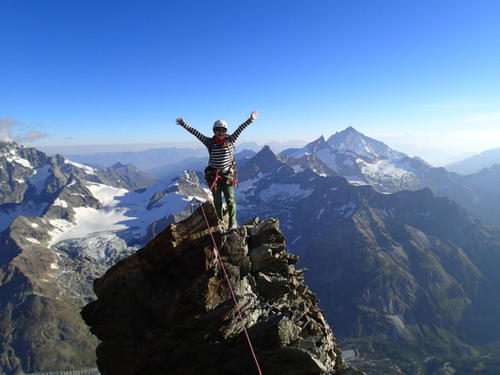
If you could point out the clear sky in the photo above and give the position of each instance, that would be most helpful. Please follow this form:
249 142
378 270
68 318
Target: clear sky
422 76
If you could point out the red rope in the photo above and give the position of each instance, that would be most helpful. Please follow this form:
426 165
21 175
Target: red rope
233 295
217 178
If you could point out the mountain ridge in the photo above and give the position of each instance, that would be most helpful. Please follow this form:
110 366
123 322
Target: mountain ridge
183 305
476 163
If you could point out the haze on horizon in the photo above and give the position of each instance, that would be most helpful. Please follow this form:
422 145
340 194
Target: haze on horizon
422 77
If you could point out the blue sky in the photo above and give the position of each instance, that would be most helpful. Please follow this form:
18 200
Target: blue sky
423 76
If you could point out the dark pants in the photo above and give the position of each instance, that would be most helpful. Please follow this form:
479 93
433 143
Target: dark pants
228 191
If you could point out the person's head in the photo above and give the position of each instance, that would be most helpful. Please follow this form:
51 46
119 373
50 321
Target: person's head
220 128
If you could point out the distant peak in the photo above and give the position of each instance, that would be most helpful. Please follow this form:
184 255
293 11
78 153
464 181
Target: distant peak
351 140
348 133
350 130
266 156
265 150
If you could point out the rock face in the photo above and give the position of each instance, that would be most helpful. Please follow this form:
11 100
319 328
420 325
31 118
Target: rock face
58 233
168 309
403 276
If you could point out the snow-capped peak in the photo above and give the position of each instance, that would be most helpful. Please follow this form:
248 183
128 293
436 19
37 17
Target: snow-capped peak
350 140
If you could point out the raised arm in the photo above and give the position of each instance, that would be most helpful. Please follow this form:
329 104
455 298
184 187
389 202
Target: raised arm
238 131
204 139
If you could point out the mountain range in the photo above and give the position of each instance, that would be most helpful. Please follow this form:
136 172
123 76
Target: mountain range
405 274
62 225
476 163
366 161
409 272
164 163
171 299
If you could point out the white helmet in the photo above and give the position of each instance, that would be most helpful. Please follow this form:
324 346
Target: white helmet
220 124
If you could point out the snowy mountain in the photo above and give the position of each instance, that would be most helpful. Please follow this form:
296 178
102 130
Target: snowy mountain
408 268
402 277
62 224
366 161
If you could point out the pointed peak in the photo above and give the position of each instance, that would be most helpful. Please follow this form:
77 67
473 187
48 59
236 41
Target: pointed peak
314 145
348 133
266 150
320 140
265 155
352 141
350 130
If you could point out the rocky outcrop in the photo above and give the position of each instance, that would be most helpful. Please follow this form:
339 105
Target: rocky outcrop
168 309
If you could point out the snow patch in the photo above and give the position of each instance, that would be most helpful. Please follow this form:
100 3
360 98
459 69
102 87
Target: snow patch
383 168
106 194
32 240
12 157
249 184
284 191
320 213
60 202
86 168
87 221
355 180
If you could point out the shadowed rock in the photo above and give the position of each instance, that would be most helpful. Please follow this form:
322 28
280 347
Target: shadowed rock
167 309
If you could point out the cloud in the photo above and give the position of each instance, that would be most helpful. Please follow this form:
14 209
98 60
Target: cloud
13 130
30 136
6 125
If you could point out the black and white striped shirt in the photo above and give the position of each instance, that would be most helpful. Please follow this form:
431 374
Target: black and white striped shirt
221 155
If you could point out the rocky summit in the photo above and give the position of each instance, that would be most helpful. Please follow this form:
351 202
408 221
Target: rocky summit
167 309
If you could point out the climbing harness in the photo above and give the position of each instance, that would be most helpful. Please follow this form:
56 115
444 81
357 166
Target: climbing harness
233 295
212 179
228 175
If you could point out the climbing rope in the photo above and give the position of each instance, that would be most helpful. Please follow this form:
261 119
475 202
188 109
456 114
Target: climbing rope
233 295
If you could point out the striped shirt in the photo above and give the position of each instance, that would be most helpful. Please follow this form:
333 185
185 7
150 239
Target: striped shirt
221 155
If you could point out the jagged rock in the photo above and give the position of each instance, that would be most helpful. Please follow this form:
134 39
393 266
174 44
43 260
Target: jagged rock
167 309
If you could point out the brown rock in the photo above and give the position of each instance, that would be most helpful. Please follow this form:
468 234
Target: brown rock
167 309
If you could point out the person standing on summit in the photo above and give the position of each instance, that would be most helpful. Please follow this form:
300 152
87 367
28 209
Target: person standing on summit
221 171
